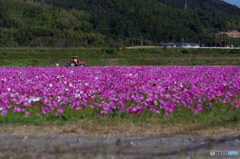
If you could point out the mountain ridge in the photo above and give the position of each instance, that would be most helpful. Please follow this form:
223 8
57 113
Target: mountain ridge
104 22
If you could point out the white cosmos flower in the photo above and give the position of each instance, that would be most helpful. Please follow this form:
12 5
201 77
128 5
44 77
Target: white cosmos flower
1 109
50 85
70 85
66 89
86 84
96 78
9 89
81 92
65 82
36 76
77 95
36 99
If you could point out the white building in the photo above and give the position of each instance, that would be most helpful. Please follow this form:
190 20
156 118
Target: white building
189 45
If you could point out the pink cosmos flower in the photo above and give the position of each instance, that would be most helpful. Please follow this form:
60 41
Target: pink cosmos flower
167 114
15 109
56 114
19 110
3 105
199 105
61 110
195 111
36 105
171 110
4 112
44 111
134 109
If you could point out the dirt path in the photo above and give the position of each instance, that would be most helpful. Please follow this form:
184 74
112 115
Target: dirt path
113 147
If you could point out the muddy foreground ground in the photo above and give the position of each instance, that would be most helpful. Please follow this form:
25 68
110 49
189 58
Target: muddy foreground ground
114 146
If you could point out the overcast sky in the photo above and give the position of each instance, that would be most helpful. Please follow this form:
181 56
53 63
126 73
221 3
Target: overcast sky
234 2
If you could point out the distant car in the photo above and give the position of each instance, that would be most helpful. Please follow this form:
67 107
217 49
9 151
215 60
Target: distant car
170 45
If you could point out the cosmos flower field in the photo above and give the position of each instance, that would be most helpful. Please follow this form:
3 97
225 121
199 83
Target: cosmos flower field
105 90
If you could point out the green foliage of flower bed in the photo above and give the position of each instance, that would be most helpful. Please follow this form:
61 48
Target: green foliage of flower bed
217 115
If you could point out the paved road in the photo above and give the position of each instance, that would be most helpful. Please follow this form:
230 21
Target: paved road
133 47
114 147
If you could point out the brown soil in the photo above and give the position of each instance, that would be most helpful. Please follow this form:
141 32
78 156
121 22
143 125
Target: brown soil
83 128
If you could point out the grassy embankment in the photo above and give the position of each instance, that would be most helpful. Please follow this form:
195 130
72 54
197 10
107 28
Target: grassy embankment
101 57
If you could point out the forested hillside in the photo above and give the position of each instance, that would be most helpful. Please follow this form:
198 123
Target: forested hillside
38 24
98 22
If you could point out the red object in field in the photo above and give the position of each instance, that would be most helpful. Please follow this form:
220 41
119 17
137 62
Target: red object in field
74 57
75 62
81 62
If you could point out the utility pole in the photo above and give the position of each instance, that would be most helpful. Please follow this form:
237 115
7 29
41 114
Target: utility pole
182 40
185 6
215 39
141 42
